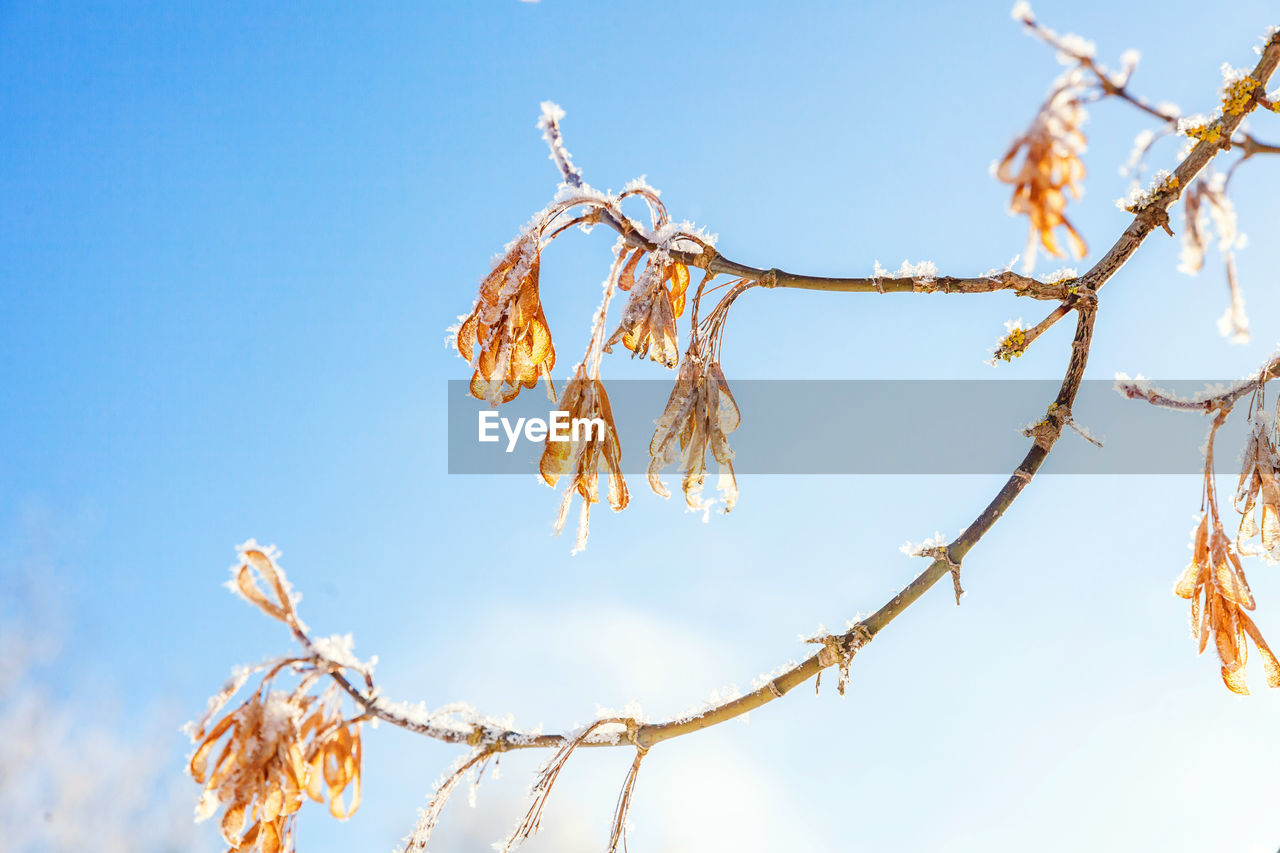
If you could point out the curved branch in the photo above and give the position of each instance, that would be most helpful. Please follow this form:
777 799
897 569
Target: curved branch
840 648
713 262
947 560
488 738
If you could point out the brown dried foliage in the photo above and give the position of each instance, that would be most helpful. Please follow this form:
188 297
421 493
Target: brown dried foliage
1219 593
1258 494
276 747
1194 238
700 414
701 411
648 326
1050 169
582 458
506 340
506 336
258 761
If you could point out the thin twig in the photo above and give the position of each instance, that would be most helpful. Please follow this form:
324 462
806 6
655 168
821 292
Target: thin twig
1139 390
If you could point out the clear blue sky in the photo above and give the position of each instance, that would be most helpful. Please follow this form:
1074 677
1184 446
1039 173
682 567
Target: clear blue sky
233 237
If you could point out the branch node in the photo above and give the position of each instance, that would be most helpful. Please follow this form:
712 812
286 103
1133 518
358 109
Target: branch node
839 651
1047 429
942 553
830 651
1086 296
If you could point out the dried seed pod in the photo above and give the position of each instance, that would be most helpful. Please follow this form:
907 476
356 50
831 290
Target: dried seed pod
1219 593
1258 494
700 414
1050 168
701 411
258 761
648 326
506 337
593 445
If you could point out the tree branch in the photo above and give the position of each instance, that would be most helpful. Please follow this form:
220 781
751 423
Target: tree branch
713 262
1077 294
1136 389
1156 214
1046 434
1119 88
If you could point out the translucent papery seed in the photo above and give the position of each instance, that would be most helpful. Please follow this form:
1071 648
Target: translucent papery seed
727 485
627 278
662 447
1270 665
679 285
726 412
1229 576
233 824
633 328
662 331
693 458
1188 585
1234 678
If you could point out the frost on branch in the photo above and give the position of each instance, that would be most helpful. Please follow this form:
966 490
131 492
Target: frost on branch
1138 198
923 273
935 548
924 548
549 124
